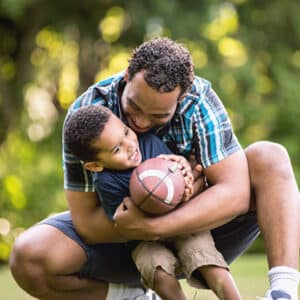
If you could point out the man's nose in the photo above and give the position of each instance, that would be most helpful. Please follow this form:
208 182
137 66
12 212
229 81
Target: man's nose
142 121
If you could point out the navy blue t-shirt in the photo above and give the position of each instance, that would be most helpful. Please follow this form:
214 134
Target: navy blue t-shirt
112 186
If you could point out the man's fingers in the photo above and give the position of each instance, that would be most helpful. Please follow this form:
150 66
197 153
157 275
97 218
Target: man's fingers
199 185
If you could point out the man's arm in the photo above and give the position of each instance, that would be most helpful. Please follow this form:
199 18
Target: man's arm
89 218
227 197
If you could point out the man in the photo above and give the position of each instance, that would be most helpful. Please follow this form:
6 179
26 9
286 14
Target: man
159 92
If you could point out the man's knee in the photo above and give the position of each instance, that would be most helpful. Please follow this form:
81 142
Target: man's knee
26 264
268 158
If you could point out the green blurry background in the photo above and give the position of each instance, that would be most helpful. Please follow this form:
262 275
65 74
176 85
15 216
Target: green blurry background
51 51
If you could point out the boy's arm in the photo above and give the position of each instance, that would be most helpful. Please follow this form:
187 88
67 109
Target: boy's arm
227 197
89 218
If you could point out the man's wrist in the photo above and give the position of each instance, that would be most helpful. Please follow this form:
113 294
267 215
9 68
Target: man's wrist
156 228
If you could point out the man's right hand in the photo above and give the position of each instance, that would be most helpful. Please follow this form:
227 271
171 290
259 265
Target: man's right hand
132 223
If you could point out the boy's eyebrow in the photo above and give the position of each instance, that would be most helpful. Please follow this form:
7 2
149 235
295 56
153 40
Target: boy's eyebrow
118 145
162 115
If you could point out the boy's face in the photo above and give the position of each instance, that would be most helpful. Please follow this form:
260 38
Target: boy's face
144 107
119 147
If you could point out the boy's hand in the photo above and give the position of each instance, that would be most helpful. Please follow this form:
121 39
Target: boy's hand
186 170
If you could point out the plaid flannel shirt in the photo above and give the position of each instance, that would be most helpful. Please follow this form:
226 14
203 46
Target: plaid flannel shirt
200 126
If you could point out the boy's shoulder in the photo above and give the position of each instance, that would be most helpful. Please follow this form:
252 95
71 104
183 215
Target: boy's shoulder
114 180
152 146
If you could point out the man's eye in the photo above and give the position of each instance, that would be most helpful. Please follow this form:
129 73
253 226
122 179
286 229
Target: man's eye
133 106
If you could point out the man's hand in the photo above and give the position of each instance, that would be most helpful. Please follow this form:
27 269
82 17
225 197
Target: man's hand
200 183
132 223
186 171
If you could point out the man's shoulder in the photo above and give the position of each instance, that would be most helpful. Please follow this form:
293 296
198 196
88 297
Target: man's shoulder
200 86
100 92
195 97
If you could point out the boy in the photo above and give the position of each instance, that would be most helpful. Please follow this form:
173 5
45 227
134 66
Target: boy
111 150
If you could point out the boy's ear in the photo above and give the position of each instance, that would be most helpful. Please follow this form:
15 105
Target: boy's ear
94 166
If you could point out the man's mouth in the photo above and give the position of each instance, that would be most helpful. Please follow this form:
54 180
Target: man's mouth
136 128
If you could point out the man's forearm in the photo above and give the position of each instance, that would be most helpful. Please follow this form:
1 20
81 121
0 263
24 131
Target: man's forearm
210 209
98 228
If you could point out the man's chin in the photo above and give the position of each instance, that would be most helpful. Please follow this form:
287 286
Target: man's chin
138 129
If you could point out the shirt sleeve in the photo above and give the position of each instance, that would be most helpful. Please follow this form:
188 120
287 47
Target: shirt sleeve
76 177
112 187
213 132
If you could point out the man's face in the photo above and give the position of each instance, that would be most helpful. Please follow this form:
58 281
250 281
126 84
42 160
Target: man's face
144 107
119 147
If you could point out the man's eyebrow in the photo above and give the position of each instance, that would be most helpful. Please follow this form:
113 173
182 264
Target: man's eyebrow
162 115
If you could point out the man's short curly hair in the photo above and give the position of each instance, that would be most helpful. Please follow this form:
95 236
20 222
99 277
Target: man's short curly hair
82 128
167 64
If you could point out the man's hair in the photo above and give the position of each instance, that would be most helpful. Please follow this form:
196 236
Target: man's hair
82 128
167 64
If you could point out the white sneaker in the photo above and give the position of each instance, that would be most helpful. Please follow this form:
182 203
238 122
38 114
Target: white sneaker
128 292
149 295
275 295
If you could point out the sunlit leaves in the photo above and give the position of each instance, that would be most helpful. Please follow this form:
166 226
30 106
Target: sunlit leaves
41 111
112 24
295 59
68 84
50 40
57 53
4 226
225 21
7 68
13 186
117 63
233 51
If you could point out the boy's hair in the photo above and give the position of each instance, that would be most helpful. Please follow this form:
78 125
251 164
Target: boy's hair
82 128
167 64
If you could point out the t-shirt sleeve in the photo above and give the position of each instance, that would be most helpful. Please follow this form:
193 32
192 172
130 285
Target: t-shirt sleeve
213 132
112 187
151 146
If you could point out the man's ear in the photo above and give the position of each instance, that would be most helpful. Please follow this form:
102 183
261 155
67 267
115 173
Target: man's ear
94 166
181 97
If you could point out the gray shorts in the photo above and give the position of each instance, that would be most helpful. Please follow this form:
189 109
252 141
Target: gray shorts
113 261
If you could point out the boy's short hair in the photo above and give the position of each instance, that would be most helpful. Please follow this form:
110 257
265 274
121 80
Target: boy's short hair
167 64
82 128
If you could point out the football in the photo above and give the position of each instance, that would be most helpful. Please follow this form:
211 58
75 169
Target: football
157 186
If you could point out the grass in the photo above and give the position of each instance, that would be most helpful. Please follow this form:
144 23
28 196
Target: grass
249 272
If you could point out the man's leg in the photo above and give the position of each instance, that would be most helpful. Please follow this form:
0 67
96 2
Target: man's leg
43 261
277 203
50 261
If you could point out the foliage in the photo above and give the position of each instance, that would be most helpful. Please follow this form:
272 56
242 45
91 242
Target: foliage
51 51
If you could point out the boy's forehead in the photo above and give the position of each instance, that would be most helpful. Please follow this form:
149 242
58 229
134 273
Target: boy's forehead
112 132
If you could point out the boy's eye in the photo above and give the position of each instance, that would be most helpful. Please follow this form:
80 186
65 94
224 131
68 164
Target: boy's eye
126 131
116 150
